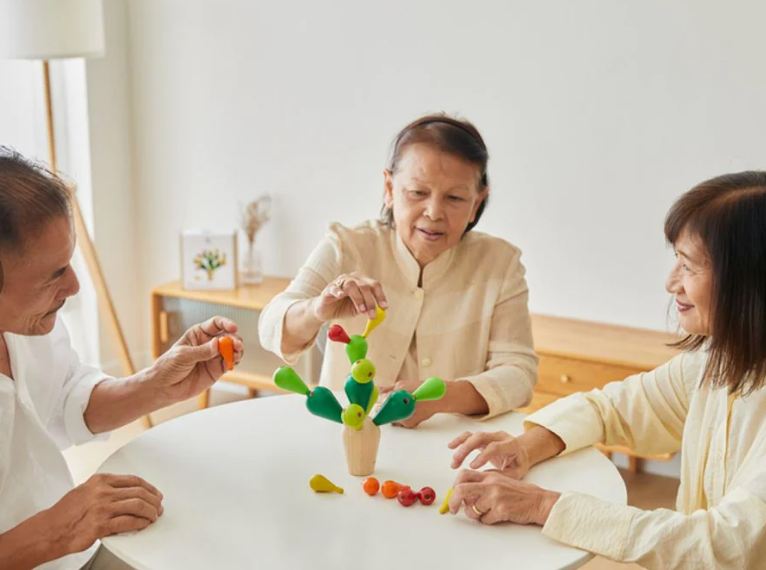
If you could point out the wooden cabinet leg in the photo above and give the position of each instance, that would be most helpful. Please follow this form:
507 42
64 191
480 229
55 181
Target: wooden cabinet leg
253 392
204 399
634 464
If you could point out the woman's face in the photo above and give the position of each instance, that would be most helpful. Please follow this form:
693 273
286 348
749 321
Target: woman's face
691 283
433 196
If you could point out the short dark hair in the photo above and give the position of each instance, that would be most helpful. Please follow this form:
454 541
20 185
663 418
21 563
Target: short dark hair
451 135
728 215
30 196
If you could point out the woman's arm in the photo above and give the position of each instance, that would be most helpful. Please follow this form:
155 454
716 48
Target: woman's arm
510 372
731 535
645 412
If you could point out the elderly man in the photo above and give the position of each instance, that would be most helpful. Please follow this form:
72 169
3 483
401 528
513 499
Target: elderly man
49 400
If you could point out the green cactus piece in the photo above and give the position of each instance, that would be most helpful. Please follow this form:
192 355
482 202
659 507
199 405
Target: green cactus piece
373 399
287 379
353 416
357 393
431 389
363 371
356 349
322 402
400 405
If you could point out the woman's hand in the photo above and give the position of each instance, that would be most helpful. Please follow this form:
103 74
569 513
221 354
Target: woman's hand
491 498
505 452
423 410
348 296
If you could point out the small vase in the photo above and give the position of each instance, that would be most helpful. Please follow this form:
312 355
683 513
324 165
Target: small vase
252 272
361 448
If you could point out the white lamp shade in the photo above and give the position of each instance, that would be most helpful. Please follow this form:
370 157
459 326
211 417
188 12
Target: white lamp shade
51 29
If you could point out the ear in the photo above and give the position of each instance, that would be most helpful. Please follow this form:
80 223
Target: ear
482 196
388 188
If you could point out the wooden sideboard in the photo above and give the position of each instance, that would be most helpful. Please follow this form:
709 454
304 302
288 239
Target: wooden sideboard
575 356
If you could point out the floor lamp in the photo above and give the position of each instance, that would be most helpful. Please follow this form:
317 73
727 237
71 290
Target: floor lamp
58 29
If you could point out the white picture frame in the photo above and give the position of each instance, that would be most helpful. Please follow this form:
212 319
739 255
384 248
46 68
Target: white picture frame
209 260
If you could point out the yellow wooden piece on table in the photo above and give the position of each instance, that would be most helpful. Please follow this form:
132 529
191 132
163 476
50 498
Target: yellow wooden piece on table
444 509
380 316
321 484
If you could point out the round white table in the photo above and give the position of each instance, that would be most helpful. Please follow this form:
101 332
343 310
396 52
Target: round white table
236 484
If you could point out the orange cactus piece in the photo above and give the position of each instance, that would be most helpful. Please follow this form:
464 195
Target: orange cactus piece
371 486
226 349
391 488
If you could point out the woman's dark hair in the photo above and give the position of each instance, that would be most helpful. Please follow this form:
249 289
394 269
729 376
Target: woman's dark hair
728 215
30 197
453 136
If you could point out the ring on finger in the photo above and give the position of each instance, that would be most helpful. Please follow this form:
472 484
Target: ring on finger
339 282
477 511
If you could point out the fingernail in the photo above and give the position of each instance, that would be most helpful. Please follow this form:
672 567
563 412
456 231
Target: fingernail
383 305
362 309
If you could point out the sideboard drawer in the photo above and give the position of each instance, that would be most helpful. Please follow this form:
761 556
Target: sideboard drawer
563 376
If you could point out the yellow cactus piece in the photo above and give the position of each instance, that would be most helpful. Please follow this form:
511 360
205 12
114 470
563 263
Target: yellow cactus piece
380 316
321 484
444 509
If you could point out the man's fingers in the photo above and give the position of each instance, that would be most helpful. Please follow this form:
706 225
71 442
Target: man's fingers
217 325
124 523
131 481
126 493
134 507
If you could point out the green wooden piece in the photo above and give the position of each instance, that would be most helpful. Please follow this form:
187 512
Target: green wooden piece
363 371
356 349
287 379
399 406
373 399
353 416
322 402
357 393
431 389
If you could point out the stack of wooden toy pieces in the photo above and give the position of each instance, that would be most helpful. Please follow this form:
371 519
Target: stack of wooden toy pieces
360 387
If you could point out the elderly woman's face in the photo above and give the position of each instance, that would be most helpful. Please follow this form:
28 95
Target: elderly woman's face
38 280
433 196
691 283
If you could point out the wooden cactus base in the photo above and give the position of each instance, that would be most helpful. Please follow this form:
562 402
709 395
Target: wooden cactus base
361 448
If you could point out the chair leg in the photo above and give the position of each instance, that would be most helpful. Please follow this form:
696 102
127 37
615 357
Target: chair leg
634 464
204 399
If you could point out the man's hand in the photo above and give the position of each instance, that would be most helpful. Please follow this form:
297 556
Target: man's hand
102 506
194 364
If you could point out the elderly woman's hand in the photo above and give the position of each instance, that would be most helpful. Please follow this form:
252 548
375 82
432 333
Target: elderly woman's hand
348 296
491 498
504 451
423 410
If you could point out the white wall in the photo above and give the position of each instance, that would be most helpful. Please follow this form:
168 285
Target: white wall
116 224
597 115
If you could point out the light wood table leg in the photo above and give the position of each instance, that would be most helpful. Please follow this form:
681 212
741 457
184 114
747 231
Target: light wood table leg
204 399
634 464
253 392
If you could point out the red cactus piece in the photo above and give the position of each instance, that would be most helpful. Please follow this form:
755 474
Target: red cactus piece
337 334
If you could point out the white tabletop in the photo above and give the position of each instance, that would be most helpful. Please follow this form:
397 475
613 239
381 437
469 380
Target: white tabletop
235 480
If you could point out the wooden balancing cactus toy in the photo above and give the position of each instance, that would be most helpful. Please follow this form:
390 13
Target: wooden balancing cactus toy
361 433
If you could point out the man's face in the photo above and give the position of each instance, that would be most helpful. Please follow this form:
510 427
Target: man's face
38 279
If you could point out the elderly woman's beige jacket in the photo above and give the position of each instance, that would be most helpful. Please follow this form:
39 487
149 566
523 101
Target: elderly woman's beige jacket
721 507
468 320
